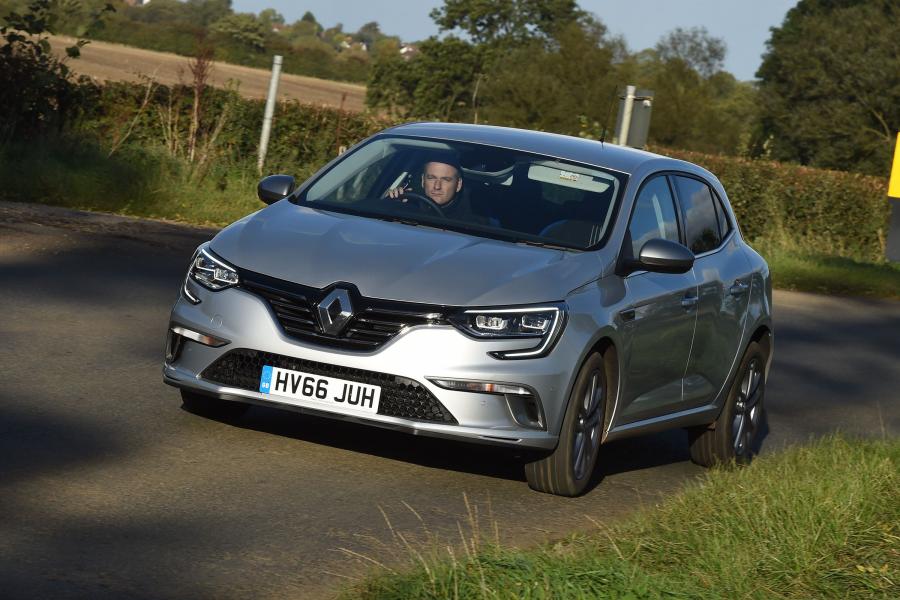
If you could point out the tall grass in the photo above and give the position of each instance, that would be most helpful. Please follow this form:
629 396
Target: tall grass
141 182
817 521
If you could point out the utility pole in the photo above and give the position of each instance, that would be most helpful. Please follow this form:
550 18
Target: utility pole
270 111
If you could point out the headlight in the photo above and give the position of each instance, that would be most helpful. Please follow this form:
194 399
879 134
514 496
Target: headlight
541 323
210 271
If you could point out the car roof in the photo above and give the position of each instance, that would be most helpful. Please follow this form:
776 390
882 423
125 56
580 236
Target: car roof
619 158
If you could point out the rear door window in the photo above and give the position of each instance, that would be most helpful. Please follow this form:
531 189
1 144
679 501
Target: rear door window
701 221
653 216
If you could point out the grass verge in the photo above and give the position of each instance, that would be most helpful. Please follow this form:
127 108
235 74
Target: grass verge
833 275
148 183
816 521
133 182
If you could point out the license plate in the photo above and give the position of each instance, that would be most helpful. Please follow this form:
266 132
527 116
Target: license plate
328 391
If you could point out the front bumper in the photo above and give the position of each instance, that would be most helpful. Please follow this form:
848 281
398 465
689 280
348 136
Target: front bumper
419 354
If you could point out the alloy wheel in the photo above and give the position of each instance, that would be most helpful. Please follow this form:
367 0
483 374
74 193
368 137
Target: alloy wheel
747 408
587 426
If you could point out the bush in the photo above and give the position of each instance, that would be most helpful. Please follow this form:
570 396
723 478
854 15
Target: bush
304 137
38 92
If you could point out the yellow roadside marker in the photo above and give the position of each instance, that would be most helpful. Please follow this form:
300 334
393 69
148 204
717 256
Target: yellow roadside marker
894 185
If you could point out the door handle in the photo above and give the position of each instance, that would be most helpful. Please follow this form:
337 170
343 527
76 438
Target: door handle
689 302
739 288
627 315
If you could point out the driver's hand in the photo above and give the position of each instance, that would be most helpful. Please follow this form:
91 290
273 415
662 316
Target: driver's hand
399 192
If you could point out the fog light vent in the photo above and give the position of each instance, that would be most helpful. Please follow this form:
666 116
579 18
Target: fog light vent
174 344
526 410
177 336
523 401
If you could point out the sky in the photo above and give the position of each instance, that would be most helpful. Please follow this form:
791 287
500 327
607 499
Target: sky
743 24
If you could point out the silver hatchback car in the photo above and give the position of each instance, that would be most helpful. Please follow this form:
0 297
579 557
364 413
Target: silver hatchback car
492 285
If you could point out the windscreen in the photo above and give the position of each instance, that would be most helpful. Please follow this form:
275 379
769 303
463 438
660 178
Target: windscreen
478 189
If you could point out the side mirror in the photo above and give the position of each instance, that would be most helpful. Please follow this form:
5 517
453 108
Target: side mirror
275 187
663 256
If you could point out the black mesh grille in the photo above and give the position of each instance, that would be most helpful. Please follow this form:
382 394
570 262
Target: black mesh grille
373 324
400 397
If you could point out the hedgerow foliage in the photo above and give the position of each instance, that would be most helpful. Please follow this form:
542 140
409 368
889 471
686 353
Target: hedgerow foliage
303 135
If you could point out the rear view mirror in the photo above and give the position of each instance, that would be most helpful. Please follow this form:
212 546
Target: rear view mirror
275 187
663 256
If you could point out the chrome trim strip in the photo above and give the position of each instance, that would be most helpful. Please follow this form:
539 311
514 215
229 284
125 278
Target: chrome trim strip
439 382
200 338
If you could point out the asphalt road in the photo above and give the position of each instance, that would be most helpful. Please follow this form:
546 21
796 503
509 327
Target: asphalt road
108 488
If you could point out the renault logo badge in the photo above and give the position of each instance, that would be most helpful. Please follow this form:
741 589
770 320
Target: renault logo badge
335 310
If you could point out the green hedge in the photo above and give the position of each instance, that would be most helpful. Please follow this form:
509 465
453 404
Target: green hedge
800 208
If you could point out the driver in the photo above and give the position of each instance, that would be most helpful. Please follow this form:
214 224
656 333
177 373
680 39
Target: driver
442 182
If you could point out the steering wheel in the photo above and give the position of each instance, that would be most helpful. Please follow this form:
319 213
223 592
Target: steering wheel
424 201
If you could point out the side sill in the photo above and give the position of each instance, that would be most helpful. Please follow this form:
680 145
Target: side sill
701 415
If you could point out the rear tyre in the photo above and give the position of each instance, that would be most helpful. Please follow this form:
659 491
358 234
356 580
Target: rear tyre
732 436
568 470
208 406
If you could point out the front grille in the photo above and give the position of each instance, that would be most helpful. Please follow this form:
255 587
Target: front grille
400 397
374 321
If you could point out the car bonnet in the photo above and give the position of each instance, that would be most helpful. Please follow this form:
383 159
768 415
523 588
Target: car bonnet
397 261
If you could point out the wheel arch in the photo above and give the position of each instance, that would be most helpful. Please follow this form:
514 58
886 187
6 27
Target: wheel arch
764 336
606 346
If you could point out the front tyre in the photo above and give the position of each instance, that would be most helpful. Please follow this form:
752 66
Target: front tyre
568 470
732 436
207 406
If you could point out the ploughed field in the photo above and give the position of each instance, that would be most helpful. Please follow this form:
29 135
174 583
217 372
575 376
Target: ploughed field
114 62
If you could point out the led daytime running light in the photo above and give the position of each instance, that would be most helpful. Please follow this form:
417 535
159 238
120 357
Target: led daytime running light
211 272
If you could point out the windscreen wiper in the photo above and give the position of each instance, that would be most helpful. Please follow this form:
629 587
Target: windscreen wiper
545 245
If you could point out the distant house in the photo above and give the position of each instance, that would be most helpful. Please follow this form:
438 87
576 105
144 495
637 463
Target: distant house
408 51
137 2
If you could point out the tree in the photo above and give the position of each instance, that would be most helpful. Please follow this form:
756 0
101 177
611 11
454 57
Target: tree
269 17
242 28
437 84
204 12
699 50
830 85
496 21
457 67
712 114
549 88
369 34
